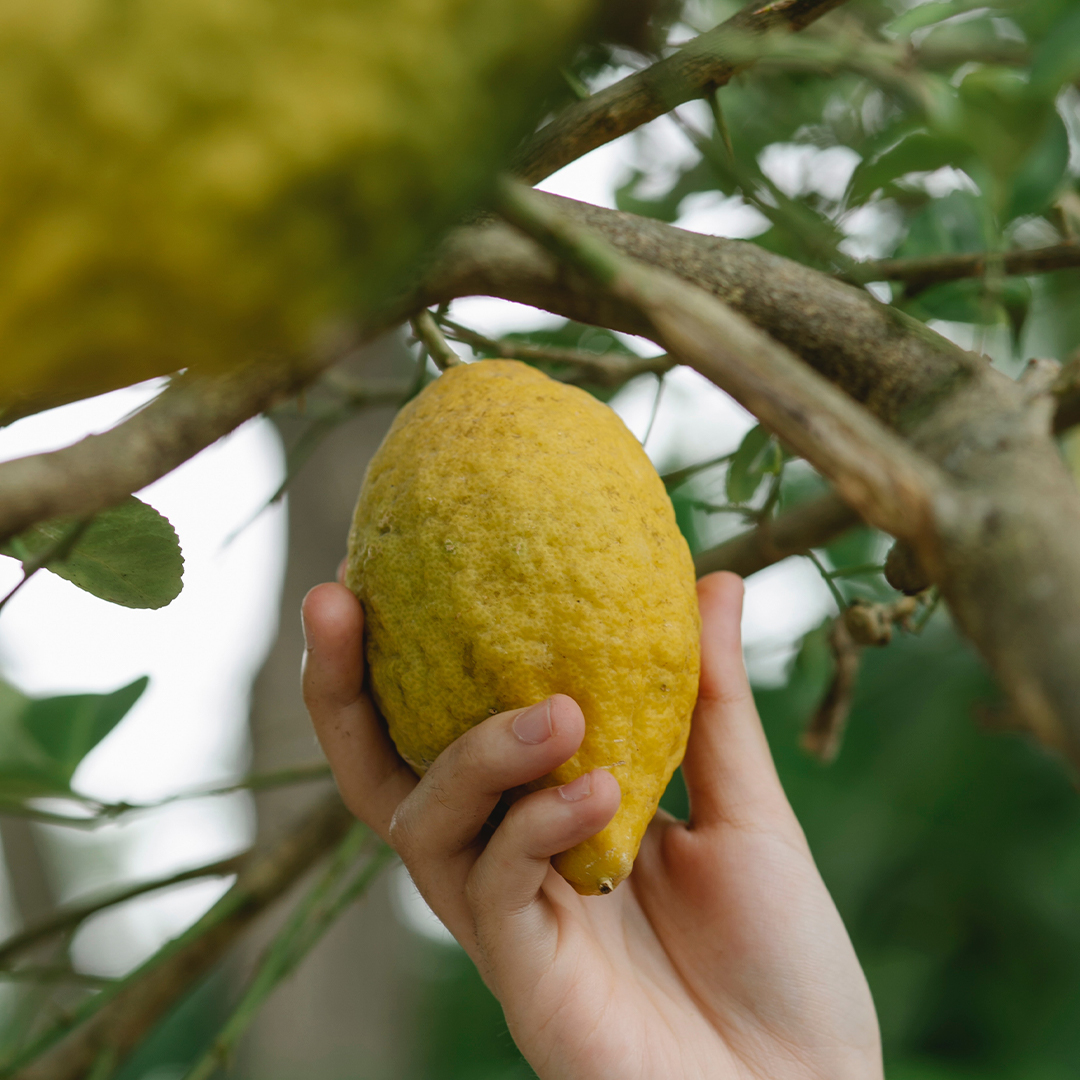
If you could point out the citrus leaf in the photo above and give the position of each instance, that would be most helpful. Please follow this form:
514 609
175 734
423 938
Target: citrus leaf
43 740
128 555
921 151
751 463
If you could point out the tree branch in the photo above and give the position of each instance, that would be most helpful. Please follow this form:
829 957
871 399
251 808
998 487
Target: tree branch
695 70
604 369
117 1018
66 918
101 470
920 274
809 525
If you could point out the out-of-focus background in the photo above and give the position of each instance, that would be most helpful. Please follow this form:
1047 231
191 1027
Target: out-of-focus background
953 851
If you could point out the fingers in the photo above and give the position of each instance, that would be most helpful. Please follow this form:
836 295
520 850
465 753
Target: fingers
435 829
728 768
371 777
505 882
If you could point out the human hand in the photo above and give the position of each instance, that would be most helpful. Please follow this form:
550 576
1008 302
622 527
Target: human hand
721 956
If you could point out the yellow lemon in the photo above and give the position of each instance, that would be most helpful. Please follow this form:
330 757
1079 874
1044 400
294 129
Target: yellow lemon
512 541
200 183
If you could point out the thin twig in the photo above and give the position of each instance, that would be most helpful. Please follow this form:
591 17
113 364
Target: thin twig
696 69
69 917
102 813
427 330
825 731
677 477
837 595
121 1014
655 410
605 369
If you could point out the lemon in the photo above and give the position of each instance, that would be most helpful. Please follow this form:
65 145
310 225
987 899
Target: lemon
200 183
512 541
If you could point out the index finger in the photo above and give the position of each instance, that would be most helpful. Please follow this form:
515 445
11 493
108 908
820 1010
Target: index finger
371 777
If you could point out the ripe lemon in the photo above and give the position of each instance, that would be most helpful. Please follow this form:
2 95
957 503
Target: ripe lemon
512 541
200 183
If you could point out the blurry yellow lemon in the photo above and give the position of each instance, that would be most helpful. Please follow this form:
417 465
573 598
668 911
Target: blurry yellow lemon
512 541
197 183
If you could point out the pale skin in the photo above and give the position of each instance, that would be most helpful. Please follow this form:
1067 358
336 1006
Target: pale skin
721 957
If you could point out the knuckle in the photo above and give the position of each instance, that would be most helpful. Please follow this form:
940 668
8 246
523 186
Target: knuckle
401 834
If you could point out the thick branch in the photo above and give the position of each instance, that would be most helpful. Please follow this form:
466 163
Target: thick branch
872 469
883 358
101 470
808 525
920 274
695 70
133 1007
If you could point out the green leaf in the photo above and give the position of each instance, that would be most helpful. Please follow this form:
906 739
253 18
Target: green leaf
1041 172
43 740
956 223
753 461
928 14
128 555
67 728
1057 58
920 151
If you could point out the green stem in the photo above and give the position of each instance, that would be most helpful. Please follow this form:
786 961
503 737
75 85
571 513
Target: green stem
56 552
680 476
838 596
856 571
655 409
106 812
331 895
67 919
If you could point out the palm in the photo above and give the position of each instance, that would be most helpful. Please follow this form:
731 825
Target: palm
720 957
677 936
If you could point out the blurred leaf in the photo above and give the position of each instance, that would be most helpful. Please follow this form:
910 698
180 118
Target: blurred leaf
928 14
67 728
128 555
1041 172
1057 59
950 225
43 740
919 151
755 459
955 301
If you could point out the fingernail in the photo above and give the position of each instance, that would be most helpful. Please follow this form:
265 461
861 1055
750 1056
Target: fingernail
307 637
534 725
578 789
